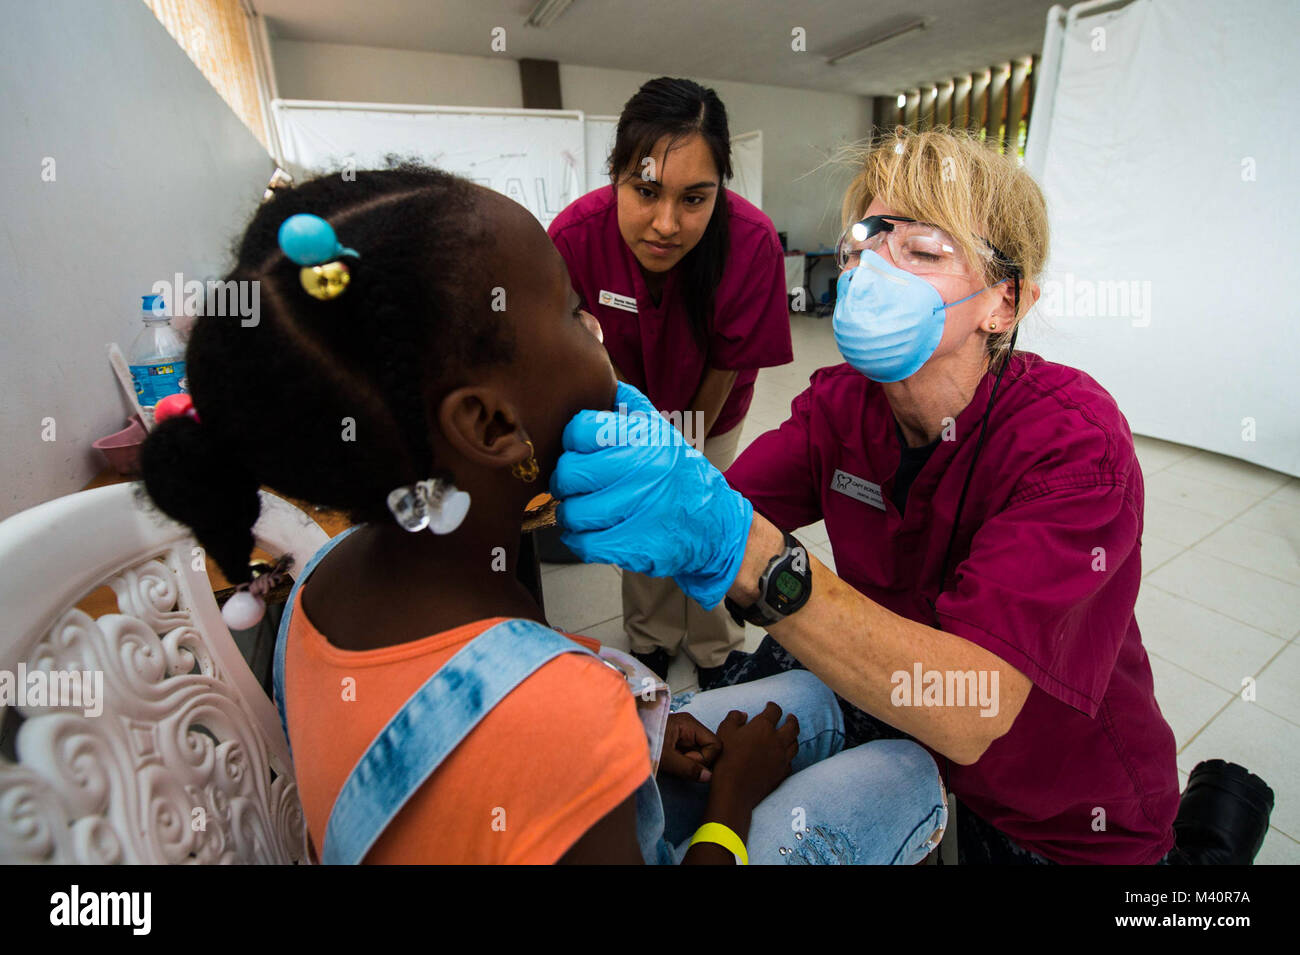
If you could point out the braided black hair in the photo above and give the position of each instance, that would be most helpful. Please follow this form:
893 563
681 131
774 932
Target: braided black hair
331 401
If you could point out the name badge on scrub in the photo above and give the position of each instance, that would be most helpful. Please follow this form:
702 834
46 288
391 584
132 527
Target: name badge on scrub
860 489
612 299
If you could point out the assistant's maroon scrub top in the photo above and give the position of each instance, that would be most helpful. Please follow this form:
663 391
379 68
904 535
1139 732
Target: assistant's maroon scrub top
1044 574
652 345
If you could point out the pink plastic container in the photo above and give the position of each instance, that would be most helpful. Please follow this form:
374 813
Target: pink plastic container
122 450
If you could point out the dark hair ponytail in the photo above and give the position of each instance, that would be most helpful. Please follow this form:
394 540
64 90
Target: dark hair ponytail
330 401
677 109
190 479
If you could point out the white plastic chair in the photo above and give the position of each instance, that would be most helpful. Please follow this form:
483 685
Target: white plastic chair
187 761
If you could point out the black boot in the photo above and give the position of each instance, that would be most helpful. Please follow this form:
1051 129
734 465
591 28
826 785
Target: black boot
1223 816
657 660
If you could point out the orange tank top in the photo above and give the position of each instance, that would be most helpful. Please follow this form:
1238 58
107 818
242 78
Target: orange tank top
541 768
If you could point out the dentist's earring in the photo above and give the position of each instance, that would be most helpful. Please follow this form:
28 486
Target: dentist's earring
993 326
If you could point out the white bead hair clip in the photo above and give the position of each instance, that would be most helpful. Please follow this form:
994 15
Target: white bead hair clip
244 608
435 503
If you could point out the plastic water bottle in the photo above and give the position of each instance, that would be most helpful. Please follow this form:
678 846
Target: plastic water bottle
157 357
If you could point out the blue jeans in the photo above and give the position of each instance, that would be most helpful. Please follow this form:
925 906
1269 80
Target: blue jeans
876 804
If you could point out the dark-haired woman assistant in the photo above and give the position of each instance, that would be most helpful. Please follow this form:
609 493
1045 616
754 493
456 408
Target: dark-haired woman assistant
688 284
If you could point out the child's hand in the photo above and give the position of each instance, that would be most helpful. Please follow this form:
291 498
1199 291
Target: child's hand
690 748
756 756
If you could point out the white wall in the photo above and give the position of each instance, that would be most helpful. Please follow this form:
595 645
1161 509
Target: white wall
154 174
799 127
371 74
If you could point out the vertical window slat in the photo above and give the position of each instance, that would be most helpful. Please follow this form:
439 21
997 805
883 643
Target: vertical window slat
214 35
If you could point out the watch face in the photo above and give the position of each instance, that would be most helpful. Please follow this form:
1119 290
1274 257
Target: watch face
788 585
785 586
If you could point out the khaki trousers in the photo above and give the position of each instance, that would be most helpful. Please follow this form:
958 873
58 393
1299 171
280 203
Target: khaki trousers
657 614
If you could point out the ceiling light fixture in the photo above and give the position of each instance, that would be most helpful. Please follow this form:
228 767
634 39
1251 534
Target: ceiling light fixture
546 12
876 41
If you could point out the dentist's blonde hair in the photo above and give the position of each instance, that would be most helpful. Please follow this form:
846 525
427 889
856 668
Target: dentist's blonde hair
950 179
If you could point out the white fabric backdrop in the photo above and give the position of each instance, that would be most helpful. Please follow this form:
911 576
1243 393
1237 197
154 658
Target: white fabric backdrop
536 157
1171 180
794 269
747 166
600 142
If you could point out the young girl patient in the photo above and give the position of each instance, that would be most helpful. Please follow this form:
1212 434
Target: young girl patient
457 351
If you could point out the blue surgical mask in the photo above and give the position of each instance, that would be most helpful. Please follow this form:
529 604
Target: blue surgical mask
887 321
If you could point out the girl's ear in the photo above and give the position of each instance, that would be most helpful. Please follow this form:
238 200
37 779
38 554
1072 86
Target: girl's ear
482 425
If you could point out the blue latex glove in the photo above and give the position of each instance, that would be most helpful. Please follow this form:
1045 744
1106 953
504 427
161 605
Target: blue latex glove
657 508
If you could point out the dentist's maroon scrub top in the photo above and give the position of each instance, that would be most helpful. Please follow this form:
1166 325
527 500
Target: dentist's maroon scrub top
652 345
1044 574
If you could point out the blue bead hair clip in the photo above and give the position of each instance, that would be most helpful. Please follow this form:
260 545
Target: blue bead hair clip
310 242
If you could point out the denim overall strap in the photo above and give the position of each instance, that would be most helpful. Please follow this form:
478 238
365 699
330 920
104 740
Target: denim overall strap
429 726
282 637
655 849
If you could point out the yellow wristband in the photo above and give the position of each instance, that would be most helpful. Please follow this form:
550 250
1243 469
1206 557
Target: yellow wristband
719 834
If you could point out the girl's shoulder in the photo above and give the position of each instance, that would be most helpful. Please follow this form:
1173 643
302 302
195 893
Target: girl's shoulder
545 764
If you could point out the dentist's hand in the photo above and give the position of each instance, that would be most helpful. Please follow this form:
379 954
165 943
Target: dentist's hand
653 506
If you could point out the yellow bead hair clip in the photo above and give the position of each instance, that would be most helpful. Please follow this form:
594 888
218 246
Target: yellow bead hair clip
310 241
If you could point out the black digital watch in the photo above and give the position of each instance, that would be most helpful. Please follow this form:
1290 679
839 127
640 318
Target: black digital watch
784 587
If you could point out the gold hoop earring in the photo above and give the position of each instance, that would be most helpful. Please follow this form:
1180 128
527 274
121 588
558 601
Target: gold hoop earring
527 471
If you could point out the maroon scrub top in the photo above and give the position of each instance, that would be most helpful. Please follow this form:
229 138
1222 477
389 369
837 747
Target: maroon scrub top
652 345
1044 574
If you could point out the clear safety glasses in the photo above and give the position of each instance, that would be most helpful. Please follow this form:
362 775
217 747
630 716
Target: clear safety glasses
918 247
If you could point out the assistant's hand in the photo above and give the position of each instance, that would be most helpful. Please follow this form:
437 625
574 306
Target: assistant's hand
633 493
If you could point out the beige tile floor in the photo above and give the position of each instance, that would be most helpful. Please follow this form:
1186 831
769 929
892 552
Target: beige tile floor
1220 600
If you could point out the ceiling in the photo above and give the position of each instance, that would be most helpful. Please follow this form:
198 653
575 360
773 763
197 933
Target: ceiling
742 40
